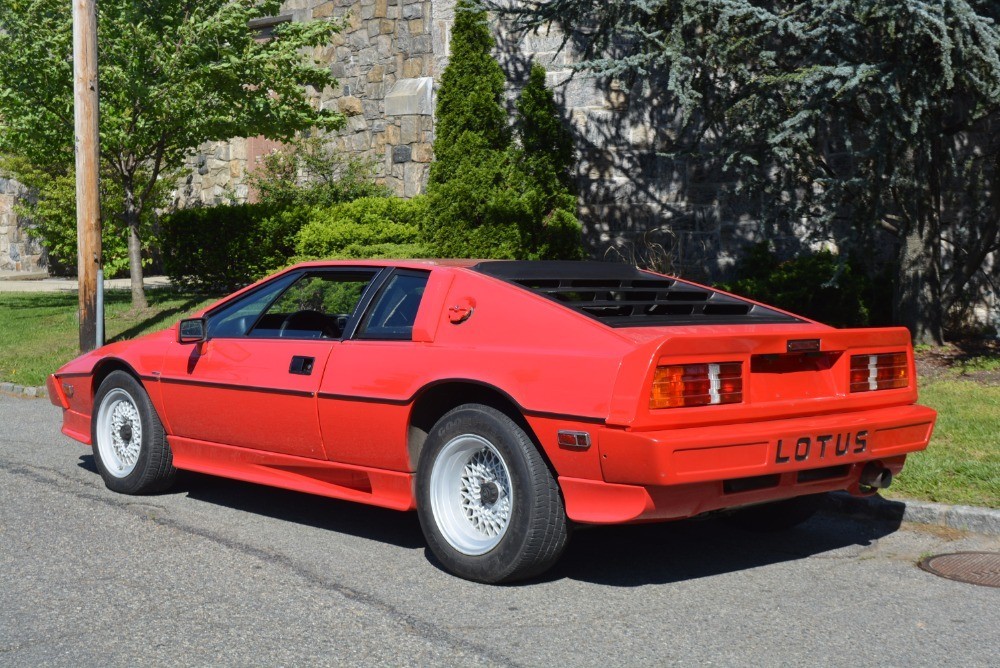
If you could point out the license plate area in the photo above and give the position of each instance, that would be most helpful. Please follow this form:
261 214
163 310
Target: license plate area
822 448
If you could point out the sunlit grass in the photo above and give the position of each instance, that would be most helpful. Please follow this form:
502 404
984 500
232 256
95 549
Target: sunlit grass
962 463
39 331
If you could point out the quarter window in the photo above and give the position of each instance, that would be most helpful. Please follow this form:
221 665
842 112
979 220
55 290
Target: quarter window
395 308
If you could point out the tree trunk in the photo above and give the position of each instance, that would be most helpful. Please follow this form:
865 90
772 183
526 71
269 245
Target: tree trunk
918 294
134 248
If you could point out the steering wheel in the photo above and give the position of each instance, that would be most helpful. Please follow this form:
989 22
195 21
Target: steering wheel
308 321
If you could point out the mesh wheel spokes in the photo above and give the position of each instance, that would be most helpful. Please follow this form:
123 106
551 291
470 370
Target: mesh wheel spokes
119 432
125 419
472 497
485 467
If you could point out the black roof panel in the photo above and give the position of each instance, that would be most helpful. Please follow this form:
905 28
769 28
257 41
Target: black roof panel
620 295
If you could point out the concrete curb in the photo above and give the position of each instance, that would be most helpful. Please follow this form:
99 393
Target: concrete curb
964 518
24 391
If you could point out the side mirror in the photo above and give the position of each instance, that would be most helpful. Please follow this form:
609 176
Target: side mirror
192 330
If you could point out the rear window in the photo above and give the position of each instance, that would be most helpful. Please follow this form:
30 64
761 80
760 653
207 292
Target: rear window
620 295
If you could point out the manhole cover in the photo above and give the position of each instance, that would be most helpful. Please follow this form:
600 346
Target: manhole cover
979 568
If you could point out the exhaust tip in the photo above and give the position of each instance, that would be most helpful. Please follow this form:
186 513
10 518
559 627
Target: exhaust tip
875 475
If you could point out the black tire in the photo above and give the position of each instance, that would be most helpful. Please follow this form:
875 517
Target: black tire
148 470
536 530
778 515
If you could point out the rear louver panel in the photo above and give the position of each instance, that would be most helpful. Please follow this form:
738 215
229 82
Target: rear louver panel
621 295
659 301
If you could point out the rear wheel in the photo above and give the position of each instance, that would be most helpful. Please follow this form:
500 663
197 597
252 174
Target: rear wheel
130 446
778 515
489 507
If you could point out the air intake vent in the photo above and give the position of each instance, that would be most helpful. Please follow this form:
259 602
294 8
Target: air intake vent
623 296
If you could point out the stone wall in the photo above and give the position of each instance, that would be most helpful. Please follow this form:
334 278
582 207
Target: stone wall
633 202
387 60
19 252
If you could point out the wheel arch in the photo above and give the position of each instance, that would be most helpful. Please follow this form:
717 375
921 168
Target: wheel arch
105 367
436 399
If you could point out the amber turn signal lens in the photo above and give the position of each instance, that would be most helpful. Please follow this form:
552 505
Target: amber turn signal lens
887 371
681 385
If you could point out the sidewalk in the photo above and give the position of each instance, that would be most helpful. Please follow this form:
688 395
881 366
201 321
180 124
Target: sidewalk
25 282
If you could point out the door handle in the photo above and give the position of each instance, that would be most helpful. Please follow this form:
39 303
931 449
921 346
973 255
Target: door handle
302 366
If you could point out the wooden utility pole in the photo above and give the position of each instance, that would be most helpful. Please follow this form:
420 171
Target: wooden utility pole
88 210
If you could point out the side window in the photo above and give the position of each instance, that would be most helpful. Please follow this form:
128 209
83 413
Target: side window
234 320
316 306
395 308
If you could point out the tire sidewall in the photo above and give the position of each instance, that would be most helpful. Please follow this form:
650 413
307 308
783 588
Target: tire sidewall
133 482
512 444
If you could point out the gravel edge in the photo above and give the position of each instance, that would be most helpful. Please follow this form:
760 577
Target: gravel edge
964 518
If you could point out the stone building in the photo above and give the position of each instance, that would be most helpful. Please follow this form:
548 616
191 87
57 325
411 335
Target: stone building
635 203
389 59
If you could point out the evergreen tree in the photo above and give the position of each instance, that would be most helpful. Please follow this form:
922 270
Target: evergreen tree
881 113
470 99
546 158
489 197
545 141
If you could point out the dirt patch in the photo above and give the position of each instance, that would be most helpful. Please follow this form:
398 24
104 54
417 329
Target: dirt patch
978 361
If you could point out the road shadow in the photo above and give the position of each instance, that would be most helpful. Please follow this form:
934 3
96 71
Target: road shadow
636 555
354 519
617 556
87 463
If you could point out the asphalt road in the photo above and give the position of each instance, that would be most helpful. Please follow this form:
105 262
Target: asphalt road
224 573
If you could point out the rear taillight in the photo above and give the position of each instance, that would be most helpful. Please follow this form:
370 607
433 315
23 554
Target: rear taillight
680 385
888 371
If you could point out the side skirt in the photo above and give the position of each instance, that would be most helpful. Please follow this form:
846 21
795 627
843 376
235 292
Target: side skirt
377 487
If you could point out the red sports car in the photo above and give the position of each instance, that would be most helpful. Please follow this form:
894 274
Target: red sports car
504 401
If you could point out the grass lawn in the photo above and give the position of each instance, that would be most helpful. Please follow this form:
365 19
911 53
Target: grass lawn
962 463
39 332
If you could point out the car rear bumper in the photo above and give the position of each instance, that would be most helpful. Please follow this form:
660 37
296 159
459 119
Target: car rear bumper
676 473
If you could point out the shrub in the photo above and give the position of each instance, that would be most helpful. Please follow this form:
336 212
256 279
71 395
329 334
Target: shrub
222 248
310 173
821 286
370 227
488 196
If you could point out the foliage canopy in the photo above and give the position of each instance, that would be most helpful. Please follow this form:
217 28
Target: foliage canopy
173 74
874 116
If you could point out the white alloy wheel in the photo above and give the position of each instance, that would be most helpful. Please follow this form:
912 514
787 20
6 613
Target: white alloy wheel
119 432
471 494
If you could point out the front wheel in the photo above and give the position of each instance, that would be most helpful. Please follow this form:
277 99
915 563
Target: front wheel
130 446
489 507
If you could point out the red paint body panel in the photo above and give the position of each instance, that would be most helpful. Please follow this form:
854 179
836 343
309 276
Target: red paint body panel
239 392
389 489
698 454
594 502
231 407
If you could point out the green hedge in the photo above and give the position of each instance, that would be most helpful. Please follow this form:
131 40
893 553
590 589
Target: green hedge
223 248
821 286
370 227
